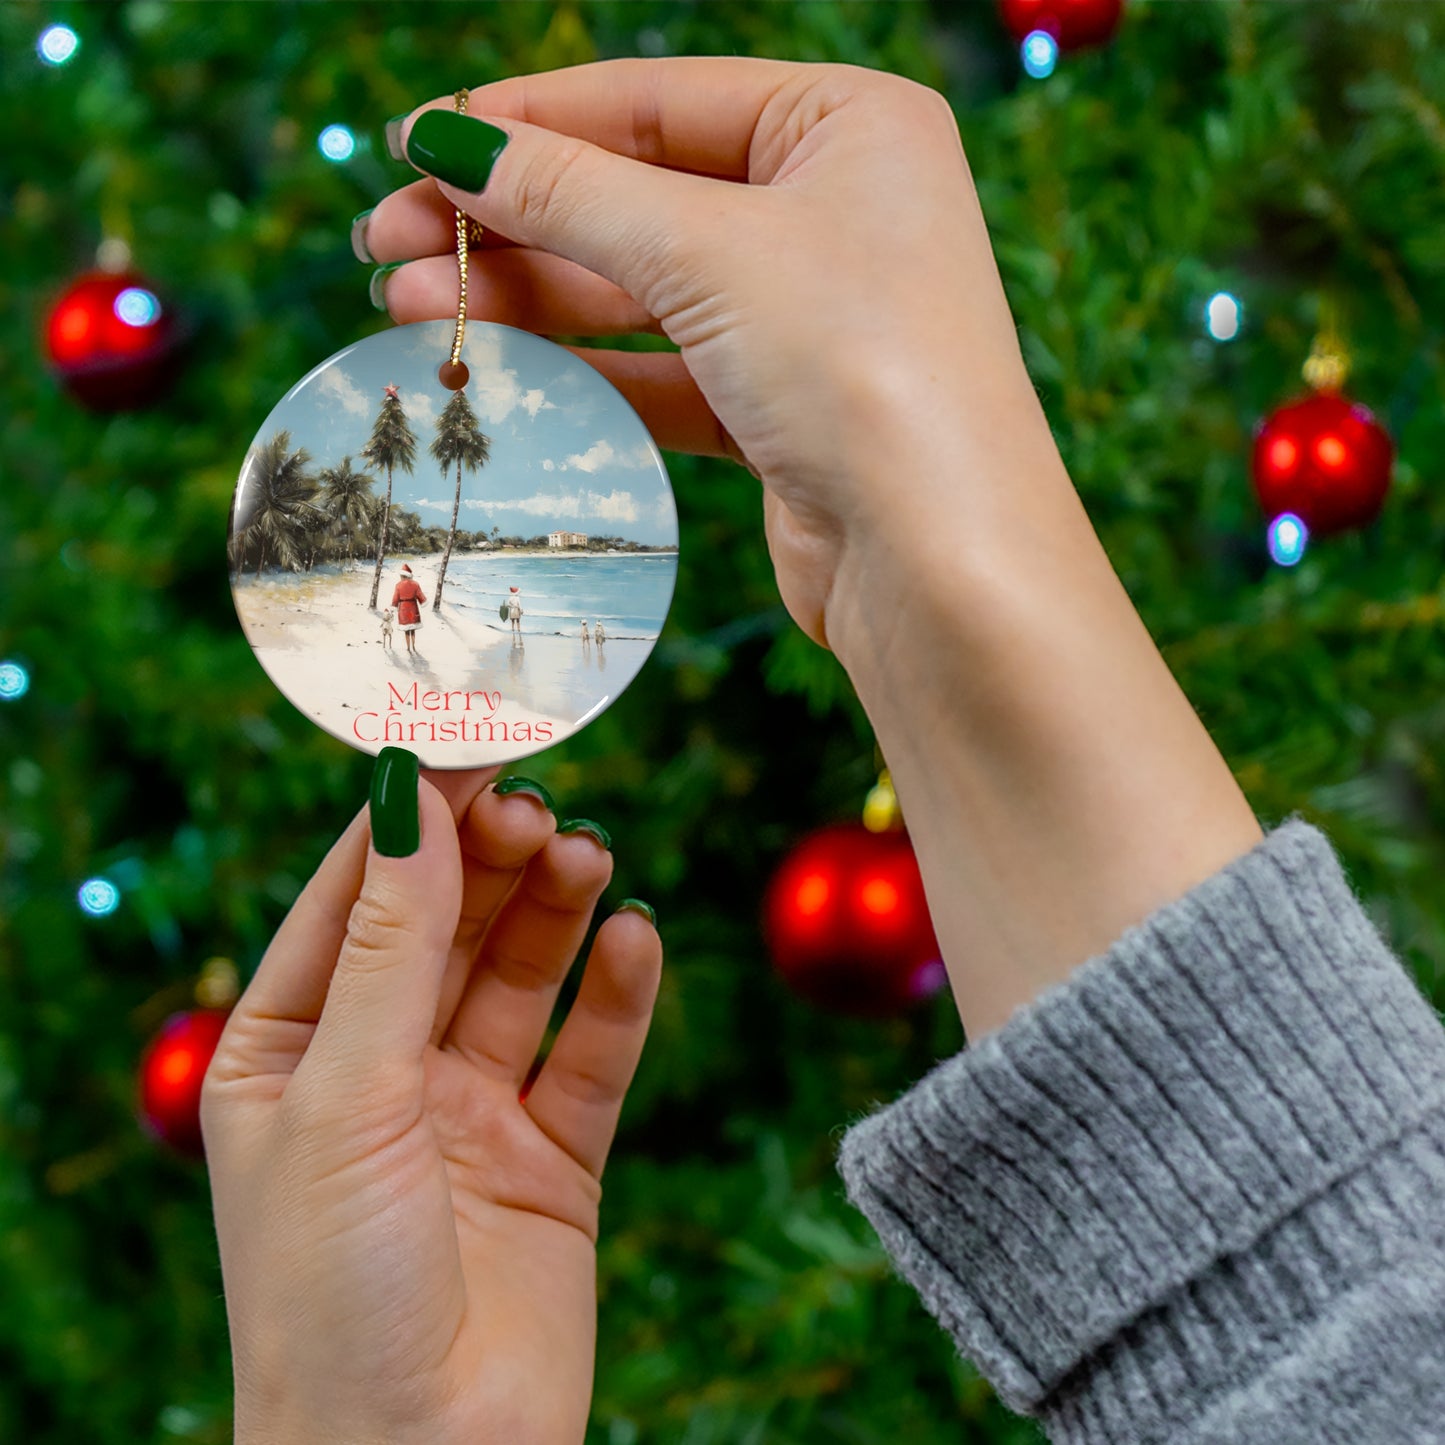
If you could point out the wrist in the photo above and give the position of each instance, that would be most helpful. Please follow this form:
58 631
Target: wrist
1057 783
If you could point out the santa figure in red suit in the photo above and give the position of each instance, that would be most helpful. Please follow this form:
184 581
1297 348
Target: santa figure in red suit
407 599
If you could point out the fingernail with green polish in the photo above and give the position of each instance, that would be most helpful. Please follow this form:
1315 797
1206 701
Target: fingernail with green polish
359 248
455 148
395 809
529 786
586 825
393 137
377 289
636 905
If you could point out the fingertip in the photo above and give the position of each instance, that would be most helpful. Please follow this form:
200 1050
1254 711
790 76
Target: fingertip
505 830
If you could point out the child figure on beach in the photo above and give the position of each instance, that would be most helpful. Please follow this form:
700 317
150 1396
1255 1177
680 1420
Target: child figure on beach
598 633
407 599
514 611
586 636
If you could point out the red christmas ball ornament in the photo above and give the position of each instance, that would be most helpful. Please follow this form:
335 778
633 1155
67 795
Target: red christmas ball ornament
1324 458
171 1072
111 341
1074 24
847 923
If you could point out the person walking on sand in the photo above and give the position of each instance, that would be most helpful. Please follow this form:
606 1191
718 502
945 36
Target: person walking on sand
598 633
514 611
586 636
407 599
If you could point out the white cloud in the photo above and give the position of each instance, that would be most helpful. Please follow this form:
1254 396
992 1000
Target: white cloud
548 465
603 454
338 388
421 411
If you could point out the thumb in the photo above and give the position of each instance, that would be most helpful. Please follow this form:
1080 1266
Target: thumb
382 1000
623 219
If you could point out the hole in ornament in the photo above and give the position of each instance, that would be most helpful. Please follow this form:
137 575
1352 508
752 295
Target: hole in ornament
453 375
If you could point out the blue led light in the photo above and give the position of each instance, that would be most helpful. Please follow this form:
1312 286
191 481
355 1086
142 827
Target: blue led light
137 307
337 143
1040 53
1288 536
1223 316
57 44
98 897
14 681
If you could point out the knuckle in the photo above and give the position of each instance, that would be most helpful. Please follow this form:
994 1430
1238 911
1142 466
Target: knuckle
374 935
544 188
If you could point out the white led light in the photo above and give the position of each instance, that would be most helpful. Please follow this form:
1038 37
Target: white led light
14 681
137 307
337 143
1287 538
98 897
1223 316
1040 53
57 44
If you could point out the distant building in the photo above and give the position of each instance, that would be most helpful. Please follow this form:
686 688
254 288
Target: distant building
566 539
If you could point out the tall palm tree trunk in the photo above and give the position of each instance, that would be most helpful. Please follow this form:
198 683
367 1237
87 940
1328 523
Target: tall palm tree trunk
261 560
436 602
381 546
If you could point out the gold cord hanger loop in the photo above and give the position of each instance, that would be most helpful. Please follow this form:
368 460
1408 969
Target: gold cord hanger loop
453 373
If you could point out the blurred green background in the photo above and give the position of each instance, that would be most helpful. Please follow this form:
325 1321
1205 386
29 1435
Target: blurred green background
1287 153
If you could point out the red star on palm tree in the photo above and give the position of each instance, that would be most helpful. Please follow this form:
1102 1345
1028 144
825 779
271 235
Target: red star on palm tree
391 390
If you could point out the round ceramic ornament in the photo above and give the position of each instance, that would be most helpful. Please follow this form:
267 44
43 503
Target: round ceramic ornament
473 571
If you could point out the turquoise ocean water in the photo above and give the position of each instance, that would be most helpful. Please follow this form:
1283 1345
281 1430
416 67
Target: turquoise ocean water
629 594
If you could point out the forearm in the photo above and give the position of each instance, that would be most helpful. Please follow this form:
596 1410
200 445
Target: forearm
1057 783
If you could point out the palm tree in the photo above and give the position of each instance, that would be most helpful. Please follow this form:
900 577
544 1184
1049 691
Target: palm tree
459 439
274 493
347 495
392 444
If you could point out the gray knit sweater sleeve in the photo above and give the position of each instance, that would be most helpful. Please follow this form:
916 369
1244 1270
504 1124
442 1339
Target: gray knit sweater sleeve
1196 1193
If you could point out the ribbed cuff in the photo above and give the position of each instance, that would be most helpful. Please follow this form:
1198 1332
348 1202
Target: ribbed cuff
1142 1164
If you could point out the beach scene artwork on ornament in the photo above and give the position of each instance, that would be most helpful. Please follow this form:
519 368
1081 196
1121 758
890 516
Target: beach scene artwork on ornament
472 575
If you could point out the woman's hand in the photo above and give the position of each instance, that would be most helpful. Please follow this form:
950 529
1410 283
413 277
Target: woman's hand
810 237
837 314
408 1247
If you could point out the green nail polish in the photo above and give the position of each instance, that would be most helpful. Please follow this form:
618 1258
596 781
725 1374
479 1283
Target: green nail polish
586 825
377 289
455 148
636 905
395 808
393 137
359 248
530 787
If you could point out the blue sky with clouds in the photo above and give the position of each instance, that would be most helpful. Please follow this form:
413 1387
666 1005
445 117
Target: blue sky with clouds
567 451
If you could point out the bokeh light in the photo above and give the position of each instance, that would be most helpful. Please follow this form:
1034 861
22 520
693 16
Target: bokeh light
1288 537
98 897
1223 316
14 681
138 307
57 44
337 143
1040 53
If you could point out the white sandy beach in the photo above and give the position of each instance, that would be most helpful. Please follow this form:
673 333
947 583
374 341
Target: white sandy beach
469 697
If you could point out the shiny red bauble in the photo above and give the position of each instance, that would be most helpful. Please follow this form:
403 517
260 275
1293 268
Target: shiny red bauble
112 341
847 923
1326 459
1073 23
171 1072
